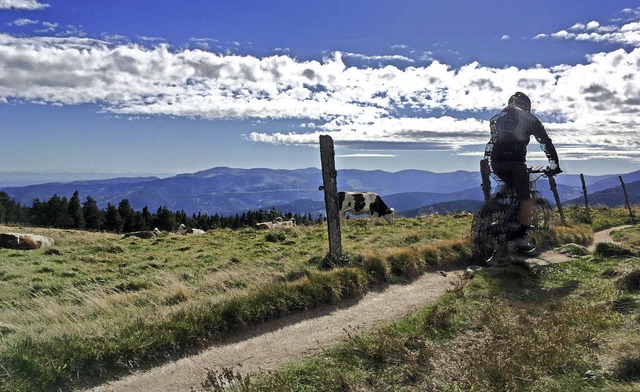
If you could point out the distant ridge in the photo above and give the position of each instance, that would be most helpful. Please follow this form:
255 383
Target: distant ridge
225 190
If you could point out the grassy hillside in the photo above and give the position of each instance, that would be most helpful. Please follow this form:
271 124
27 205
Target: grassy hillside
96 304
563 327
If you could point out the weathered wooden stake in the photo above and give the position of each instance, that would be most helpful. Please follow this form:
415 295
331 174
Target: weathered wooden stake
485 173
626 199
586 198
554 189
330 186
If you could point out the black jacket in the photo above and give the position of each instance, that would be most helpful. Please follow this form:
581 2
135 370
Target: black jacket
511 130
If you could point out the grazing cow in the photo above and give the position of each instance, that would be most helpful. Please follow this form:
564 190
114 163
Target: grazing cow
281 222
264 225
278 222
359 203
184 230
142 234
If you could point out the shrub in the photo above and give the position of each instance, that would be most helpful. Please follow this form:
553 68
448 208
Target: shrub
431 256
377 268
605 249
630 281
406 264
275 236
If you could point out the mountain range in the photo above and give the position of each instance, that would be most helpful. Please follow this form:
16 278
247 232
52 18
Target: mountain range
225 191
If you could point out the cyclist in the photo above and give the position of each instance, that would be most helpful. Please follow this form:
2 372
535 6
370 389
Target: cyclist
506 151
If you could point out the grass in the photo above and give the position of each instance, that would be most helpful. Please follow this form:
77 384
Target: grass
96 304
602 217
551 328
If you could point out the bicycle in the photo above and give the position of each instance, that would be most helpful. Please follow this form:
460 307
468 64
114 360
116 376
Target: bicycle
496 223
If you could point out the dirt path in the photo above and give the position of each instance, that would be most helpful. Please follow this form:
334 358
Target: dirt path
272 344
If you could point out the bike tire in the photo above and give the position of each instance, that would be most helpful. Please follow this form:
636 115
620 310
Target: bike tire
489 232
542 222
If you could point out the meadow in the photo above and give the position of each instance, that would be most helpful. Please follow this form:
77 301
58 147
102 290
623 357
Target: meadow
96 305
571 326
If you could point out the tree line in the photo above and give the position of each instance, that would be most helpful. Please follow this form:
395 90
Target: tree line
62 213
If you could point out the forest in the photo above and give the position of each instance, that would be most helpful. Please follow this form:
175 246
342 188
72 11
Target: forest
62 213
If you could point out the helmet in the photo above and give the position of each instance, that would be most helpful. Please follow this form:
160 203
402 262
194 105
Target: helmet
520 100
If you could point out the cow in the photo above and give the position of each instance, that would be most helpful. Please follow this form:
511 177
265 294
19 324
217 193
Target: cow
142 234
184 230
278 222
360 203
281 222
264 226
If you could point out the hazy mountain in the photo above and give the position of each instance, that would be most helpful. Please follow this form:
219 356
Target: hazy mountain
226 190
613 181
446 207
612 197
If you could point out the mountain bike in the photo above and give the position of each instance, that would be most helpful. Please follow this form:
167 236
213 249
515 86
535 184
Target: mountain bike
496 224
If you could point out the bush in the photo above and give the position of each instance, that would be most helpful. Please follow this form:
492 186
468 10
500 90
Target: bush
605 249
406 264
630 281
377 268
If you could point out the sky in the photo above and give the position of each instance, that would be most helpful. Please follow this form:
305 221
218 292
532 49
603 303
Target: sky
121 87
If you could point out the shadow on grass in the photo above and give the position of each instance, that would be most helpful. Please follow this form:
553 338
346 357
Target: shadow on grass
521 281
628 369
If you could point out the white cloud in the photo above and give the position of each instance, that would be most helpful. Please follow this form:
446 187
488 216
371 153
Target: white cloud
505 38
23 22
30 5
625 34
381 58
366 156
426 107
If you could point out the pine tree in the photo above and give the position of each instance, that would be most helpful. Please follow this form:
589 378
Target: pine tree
37 215
147 218
93 217
128 215
75 211
165 219
57 212
112 219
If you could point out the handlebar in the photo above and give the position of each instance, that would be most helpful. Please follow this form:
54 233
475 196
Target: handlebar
546 171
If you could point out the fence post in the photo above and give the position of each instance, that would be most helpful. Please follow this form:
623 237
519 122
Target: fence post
626 199
554 189
485 173
586 198
330 186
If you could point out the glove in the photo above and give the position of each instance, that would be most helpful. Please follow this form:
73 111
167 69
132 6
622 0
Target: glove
554 169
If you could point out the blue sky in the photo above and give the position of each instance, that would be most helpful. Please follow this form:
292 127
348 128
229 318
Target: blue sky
161 87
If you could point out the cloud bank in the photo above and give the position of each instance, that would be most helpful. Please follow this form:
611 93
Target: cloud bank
30 5
590 109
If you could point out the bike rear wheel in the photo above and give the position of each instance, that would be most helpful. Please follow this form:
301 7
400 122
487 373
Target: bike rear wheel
541 224
489 232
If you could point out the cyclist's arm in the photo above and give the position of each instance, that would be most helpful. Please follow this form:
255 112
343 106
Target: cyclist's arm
547 146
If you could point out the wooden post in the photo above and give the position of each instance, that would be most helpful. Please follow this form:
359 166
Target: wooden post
586 198
330 186
626 199
485 173
554 189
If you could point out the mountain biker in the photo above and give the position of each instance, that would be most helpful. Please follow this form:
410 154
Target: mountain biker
506 151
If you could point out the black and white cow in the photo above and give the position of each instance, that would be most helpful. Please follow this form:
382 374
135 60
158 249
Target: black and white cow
359 203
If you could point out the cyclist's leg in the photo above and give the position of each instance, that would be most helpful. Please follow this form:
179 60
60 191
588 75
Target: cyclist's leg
526 212
521 186
520 183
504 172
